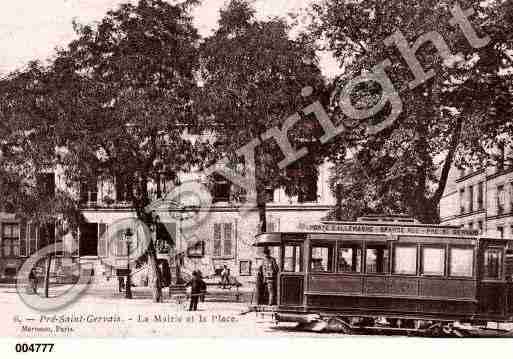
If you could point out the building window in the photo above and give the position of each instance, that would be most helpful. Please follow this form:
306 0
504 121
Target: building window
103 241
492 263
462 201
269 194
303 176
500 199
32 235
292 258
376 259
500 231
471 198
89 239
88 191
322 258
221 189
405 260
10 240
500 157
273 224
350 258
46 184
124 189
480 226
433 261
470 225
223 240
46 235
461 262
480 195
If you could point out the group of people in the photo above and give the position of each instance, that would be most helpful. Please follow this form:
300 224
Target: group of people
266 282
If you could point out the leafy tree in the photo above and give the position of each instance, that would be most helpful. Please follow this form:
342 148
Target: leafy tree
252 75
28 150
453 118
119 98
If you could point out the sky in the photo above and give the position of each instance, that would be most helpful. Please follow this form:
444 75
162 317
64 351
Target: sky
32 29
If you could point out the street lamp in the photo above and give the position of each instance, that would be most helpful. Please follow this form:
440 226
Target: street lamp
128 237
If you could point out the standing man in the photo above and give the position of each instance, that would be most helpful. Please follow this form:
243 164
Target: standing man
197 286
225 277
33 280
270 272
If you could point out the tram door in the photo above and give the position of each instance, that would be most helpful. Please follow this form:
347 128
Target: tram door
292 277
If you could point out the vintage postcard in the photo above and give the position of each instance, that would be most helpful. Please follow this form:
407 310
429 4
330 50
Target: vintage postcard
255 168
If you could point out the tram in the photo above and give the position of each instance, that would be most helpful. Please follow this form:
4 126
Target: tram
414 277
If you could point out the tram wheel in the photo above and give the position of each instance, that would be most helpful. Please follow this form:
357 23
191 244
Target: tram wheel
337 325
435 330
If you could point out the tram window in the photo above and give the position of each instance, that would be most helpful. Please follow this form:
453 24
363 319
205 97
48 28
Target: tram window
292 258
322 259
376 259
492 263
461 262
349 258
405 260
433 261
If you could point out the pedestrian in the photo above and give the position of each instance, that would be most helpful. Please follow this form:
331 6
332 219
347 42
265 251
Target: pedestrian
270 272
203 286
33 280
225 277
121 283
260 299
196 284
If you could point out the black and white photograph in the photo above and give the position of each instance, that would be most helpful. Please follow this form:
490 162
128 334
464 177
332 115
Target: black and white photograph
256 169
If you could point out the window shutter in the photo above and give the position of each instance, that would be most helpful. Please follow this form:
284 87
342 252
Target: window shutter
46 235
75 245
23 240
46 184
217 240
103 249
228 243
32 238
121 248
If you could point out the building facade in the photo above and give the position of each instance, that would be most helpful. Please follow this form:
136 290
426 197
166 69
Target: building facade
225 237
480 199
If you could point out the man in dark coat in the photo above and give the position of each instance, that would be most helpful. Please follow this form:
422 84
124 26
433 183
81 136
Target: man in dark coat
270 272
197 285
33 280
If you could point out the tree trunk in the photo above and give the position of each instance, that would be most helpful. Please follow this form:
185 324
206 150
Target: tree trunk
154 273
338 208
427 212
261 211
156 281
47 275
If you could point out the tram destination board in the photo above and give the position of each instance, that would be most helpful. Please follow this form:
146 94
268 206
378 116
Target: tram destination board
387 229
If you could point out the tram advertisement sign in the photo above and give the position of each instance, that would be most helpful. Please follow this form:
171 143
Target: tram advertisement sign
394 229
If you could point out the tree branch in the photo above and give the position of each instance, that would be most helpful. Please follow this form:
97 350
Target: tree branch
455 140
